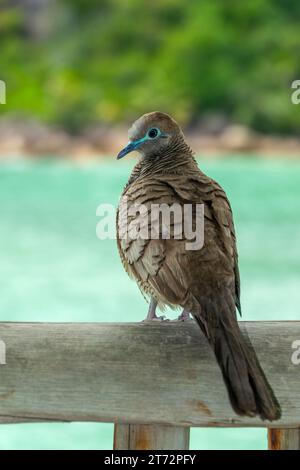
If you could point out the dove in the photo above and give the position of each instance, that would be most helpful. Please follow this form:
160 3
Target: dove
205 281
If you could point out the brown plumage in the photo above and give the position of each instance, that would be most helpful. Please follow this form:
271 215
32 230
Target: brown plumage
204 282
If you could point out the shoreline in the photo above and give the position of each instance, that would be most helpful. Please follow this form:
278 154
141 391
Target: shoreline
35 140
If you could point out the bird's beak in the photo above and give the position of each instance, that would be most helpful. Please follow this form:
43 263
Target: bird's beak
130 147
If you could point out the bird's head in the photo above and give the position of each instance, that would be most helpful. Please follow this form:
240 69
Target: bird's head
151 134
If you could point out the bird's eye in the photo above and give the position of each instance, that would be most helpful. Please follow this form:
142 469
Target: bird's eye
152 133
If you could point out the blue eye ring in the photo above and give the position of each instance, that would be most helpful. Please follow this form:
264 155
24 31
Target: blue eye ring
153 133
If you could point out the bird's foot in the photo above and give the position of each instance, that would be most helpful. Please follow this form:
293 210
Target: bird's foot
155 318
184 316
151 316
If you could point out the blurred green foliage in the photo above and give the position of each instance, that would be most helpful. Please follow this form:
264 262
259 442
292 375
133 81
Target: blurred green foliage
77 62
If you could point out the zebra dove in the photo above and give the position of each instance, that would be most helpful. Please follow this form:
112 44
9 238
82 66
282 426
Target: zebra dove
204 282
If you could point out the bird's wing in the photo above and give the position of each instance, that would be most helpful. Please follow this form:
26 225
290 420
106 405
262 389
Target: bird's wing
164 268
223 214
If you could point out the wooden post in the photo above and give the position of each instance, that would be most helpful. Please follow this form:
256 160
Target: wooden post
284 439
151 437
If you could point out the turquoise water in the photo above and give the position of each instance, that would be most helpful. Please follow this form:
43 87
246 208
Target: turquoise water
53 267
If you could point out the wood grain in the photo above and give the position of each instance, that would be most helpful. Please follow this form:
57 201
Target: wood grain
159 373
151 437
284 439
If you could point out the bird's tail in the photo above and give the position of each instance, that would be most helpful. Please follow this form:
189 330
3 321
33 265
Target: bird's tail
249 391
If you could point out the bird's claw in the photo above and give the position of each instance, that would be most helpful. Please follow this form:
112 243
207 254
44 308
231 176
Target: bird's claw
158 319
184 316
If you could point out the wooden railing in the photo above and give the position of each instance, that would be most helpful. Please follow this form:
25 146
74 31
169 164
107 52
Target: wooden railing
154 381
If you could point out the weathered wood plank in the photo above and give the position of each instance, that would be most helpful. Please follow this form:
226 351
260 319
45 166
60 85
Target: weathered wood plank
136 373
284 439
151 437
